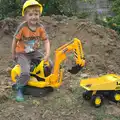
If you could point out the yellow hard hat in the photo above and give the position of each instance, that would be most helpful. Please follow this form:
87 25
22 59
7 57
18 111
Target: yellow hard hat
30 3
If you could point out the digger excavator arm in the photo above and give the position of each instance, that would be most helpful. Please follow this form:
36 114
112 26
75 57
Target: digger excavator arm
75 47
60 54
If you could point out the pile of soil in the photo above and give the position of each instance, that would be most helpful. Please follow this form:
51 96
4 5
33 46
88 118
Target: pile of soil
101 45
101 49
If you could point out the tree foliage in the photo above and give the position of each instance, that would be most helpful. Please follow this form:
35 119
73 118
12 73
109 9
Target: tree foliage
12 8
66 7
114 21
9 8
116 6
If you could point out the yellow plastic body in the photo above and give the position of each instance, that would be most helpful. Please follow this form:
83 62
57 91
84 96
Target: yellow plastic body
117 97
105 82
97 101
55 78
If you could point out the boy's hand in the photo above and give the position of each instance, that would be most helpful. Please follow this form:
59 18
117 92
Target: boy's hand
36 45
14 57
45 58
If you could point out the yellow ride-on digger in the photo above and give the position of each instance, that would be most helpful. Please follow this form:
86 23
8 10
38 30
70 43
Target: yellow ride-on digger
100 87
44 77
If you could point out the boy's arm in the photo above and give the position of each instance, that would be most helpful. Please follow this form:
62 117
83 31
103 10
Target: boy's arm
17 36
14 43
46 42
47 49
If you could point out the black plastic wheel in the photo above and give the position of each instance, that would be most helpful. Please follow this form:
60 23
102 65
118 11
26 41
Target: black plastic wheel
97 100
87 95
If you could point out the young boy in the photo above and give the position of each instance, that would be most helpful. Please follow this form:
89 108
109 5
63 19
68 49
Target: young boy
26 42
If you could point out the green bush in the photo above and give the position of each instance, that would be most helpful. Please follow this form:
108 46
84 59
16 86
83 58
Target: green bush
10 8
67 7
114 21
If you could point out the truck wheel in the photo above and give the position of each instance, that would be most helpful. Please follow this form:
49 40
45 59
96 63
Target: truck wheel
97 100
87 95
117 96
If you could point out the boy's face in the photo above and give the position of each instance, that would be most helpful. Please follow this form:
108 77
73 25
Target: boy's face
32 15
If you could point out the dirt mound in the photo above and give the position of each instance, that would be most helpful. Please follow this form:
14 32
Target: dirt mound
101 45
101 48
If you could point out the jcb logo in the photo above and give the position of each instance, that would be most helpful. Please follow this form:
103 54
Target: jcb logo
118 83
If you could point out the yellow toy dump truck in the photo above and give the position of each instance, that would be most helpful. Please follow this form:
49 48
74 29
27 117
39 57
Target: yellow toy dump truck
101 87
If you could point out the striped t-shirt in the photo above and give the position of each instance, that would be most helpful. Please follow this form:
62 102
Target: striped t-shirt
26 38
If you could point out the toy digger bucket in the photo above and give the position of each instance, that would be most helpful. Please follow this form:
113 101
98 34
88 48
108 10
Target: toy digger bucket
75 69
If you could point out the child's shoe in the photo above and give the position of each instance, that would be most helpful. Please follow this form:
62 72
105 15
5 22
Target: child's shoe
19 97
